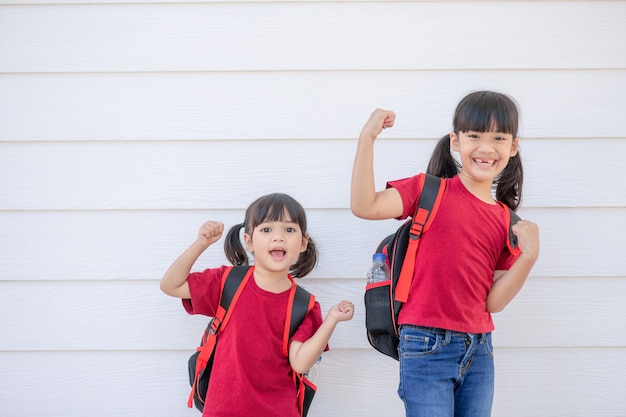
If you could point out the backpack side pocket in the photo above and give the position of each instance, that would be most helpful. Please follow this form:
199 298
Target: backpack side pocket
379 318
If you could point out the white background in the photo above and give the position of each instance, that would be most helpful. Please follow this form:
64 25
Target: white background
124 125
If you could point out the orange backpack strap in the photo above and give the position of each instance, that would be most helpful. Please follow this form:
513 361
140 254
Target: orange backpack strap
234 280
512 218
300 303
431 192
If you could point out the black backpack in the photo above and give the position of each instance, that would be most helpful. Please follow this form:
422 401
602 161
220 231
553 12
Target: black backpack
201 362
383 300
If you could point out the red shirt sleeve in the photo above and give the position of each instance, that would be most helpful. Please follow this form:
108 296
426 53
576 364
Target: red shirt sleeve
309 325
407 187
506 260
204 288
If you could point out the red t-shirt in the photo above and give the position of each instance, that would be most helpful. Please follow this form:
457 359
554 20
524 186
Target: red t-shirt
456 259
250 375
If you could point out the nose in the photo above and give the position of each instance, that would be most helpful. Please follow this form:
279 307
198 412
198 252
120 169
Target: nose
278 237
486 145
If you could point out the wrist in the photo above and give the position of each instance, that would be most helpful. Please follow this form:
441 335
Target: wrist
529 256
367 135
199 245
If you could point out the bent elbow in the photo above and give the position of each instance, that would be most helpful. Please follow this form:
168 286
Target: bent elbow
495 307
163 287
494 310
366 211
299 369
167 289
357 211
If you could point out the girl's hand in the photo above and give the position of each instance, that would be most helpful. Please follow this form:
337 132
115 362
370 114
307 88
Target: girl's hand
210 232
380 119
527 234
342 311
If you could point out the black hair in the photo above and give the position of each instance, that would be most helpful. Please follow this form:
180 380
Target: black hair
271 207
484 111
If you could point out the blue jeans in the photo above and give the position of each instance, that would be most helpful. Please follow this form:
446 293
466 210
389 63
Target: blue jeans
445 373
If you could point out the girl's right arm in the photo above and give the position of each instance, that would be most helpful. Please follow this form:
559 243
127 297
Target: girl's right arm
174 282
365 202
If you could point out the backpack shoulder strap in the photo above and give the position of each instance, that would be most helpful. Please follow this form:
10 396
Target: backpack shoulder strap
300 303
431 191
512 218
233 281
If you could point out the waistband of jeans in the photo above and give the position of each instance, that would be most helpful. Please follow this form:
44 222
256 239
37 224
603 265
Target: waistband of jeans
437 330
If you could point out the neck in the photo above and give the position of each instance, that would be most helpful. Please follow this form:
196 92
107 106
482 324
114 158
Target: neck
272 281
480 189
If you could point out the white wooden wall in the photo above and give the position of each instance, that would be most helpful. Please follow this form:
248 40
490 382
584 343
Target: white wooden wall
124 125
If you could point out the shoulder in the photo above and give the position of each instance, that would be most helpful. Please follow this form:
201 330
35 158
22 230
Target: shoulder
404 185
208 275
310 324
409 190
204 289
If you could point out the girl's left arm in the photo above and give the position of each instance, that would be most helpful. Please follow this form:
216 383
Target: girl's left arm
508 283
303 355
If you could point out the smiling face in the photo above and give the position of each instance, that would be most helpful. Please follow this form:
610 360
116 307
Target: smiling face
485 136
484 155
276 244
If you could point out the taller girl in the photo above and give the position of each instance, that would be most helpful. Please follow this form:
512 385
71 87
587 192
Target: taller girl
464 271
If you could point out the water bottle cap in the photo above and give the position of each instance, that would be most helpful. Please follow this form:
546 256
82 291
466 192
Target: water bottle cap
379 257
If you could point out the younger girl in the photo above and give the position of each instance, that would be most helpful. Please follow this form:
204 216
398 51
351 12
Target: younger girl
253 376
463 270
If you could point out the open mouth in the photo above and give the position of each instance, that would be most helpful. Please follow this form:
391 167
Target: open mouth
277 254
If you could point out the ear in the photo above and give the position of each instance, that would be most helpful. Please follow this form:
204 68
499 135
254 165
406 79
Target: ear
248 241
305 242
515 147
454 142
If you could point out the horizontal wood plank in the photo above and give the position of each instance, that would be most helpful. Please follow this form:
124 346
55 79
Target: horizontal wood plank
141 245
312 35
529 383
231 174
135 315
558 382
298 105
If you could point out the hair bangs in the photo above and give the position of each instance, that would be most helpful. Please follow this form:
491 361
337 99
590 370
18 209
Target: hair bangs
486 111
275 207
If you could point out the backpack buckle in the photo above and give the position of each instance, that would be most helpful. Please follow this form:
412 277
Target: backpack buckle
416 230
215 325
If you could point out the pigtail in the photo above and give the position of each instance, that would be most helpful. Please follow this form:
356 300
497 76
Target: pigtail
509 188
233 248
306 261
442 163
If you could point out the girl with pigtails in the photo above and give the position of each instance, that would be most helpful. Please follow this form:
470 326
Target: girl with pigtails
251 376
464 270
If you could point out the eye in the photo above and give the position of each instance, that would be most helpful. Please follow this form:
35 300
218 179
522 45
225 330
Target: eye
472 135
265 230
291 230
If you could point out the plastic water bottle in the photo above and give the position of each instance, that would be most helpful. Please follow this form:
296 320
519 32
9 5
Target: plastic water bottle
314 373
379 270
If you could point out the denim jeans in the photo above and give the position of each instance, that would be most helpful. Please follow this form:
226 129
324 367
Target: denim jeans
445 373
